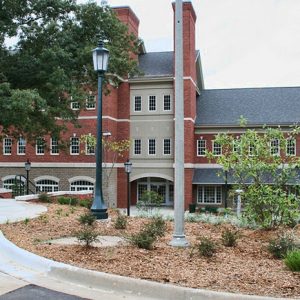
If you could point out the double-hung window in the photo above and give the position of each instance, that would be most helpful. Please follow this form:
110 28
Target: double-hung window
291 147
137 147
74 146
40 146
89 148
167 147
151 146
167 102
90 102
274 147
21 146
152 103
7 144
54 150
137 103
217 149
201 147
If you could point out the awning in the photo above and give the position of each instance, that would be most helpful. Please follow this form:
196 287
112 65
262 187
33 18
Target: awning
216 176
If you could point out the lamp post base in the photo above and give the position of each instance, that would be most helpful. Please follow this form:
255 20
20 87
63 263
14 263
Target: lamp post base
100 214
179 241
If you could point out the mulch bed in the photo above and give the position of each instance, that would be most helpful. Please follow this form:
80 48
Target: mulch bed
247 268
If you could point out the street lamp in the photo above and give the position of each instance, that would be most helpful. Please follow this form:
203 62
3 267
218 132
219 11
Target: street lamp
27 168
128 168
100 60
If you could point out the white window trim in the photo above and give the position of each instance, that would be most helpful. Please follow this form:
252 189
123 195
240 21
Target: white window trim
133 150
164 102
149 103
149 147
86 150
134 103
71 146
169 154
213 149
36 148
208 204
4 153
201 155
278 150
73 102
51 153
18 145
87 101
295 146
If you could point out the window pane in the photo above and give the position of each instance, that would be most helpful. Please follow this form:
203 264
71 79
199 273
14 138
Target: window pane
137 103
201 147
7 143
74 146
91 102
167 146
137 147
152 103
54 146
167 102
152 148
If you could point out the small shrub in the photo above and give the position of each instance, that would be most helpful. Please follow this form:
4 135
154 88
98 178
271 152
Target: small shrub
280 246
292 260
211 209
26 221
206 247
157 227
44 197
229 238
87 219
142 240
85 203
67 201
149 200
87 236
121 222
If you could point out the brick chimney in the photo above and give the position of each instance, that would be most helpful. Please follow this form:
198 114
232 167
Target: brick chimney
128 17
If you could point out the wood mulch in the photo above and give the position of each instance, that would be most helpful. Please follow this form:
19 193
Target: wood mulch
247 268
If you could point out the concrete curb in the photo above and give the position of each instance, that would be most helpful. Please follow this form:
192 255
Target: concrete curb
31 263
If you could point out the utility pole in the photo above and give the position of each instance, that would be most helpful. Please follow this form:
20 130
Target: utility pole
179 239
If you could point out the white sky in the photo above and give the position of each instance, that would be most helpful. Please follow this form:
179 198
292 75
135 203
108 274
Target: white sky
243 43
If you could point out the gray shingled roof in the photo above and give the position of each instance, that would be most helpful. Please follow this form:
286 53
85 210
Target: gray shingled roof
259 106
217 176
156 64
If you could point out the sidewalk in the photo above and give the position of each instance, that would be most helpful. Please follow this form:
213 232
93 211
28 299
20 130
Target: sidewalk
22 268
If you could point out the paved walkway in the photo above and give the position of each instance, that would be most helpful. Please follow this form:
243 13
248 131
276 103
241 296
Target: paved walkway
24 275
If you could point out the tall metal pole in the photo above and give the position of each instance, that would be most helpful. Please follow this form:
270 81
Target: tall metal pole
99 209
128 195
179 239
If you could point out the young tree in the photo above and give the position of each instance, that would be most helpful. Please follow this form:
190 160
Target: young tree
52 62
263 164
112 151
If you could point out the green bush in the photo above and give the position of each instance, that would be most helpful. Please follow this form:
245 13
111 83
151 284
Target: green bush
149 200
87 236
87 219
85 203
157 227
206 247
149 234
44 197
292 260
211 209
229 237
121 222
280 246
142 240
67 201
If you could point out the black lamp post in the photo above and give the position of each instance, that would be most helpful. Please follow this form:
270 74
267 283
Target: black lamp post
128 168
100 60
27 168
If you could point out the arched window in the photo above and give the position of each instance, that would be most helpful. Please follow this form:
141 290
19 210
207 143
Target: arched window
46 185
81 185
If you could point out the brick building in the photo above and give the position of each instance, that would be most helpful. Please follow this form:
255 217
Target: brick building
142 109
